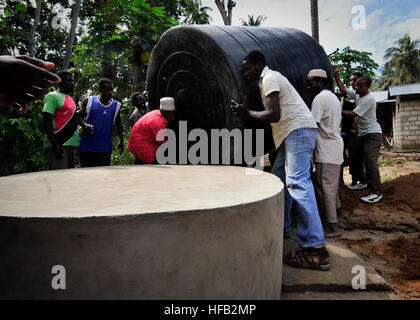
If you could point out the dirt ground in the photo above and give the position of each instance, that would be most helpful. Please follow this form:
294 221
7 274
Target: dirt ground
387 235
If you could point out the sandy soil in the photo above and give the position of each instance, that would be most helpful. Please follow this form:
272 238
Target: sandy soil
387 235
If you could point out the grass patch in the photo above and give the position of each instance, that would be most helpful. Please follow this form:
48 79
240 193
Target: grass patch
388 178
391 163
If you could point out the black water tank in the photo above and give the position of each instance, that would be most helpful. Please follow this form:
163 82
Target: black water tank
201 67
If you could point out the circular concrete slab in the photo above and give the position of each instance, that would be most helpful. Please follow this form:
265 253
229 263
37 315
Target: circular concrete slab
127 190
142 232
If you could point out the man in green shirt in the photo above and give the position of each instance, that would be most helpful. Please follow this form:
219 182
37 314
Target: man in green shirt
60 124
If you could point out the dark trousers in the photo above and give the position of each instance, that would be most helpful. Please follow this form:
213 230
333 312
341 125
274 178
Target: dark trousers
358 172
371 144
352 160
66 162
94 159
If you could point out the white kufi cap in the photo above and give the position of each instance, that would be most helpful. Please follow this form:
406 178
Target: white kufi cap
317 73
167 104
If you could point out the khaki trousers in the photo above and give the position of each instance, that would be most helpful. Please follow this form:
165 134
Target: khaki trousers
327 179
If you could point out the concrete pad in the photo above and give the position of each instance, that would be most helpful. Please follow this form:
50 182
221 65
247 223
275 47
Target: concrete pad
131 190
142 232
337 279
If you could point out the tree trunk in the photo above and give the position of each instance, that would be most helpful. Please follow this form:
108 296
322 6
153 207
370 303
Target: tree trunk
34 26
72 35
314 20
135 78
106 64
226 14
230 5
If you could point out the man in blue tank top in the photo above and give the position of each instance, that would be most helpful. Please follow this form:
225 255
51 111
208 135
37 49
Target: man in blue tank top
97 117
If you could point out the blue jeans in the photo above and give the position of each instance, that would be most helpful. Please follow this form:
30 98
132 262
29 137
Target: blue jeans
292 166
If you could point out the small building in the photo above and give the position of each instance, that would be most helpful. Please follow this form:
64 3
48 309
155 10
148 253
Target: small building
384 111
406 116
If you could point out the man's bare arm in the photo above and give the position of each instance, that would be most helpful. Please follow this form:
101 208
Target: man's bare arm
119 129
340 83
82 113
272 113
348 113
49 131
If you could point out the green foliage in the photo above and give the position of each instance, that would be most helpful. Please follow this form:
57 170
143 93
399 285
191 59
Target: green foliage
15 27
185 11
114 38
252 21
193 13
404 60
121 34
21 139
352 61
126 158
386 79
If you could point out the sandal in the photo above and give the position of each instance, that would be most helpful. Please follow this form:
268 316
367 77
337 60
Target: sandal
308 258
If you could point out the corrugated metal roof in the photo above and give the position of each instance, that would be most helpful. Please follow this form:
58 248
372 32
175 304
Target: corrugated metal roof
380 95
386 101
406 89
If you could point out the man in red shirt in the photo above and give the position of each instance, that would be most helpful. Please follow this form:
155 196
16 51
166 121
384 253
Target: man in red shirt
142 142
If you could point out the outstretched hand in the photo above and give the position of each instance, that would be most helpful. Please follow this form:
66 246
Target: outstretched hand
23 80
240 109
337 69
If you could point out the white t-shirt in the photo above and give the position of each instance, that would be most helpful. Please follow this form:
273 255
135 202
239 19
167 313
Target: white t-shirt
294 114
326 109
366 112
351 93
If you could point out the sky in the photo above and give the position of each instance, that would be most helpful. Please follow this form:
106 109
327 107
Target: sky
340 23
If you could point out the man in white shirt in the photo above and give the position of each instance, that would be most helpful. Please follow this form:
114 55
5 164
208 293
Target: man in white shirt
294 133
329 145
370 132
353 154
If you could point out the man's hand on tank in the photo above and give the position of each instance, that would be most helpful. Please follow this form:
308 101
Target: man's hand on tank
27 80
240 109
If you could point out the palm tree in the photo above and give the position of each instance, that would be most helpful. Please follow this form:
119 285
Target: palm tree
252 21
385 80
404 58
195 13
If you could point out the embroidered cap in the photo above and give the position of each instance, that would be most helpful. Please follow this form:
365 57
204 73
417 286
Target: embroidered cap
167 104
317 73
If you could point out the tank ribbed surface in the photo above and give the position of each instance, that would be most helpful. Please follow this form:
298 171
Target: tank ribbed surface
201 67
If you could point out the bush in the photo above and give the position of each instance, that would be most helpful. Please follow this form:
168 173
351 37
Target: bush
21 139
126 158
